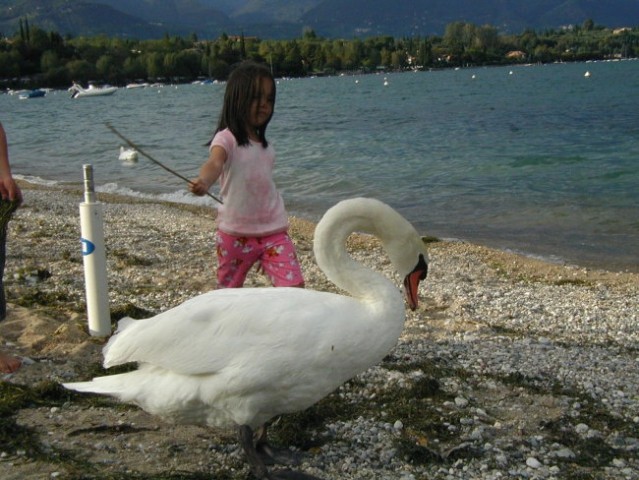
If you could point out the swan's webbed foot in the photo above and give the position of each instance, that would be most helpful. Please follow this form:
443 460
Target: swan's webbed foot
271 455
256 461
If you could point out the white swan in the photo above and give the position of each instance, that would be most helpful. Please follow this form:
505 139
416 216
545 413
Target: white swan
242 356
128 155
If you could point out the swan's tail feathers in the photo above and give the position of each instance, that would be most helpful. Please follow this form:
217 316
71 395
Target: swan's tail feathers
111 385
79 386
111 359
125 323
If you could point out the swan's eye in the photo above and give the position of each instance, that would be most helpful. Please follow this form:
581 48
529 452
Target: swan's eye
422 267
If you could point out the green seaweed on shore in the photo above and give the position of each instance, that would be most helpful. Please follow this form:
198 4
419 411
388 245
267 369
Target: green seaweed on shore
176 475
26 442
415 406
298 429
578 282
411 405
534 385
427 239
53 301
130 310
590 452
151 476
124 259
95 369
16 438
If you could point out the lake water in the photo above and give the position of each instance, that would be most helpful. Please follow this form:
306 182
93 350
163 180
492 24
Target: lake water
542 160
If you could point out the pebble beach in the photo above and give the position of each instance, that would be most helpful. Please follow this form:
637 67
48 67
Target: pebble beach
511 367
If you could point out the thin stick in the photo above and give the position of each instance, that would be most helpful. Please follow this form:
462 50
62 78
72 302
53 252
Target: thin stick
170 170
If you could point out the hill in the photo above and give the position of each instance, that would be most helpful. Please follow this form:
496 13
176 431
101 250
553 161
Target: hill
289 18
430 17
115 18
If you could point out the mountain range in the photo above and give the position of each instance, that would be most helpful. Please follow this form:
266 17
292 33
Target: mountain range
278 19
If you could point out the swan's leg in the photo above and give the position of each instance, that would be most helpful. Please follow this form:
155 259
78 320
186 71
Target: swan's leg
253 458
268 453
262 447
257 465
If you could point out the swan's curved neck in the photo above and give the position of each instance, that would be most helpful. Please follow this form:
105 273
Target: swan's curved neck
340 268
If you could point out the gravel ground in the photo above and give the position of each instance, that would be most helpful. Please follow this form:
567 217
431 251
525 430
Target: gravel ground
510 368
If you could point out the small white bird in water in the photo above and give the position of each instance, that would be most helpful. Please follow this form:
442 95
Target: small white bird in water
128 155
241 356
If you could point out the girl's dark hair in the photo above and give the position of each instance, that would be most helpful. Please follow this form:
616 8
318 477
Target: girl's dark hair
241 88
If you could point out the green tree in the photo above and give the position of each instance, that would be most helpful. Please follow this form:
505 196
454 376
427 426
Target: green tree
49 61
153 62
81 70
107 68
188 63
454 39
54 59
353 54
10 64
292 64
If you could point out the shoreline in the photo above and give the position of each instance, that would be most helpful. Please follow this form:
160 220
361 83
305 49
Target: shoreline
586 261
509 367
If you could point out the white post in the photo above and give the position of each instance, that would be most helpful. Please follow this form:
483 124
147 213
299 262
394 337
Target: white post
94 258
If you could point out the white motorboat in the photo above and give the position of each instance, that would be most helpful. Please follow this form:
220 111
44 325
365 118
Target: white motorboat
92 91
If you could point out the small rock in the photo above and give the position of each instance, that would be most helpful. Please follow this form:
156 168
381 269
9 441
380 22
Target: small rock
564 453
532 462
618 463
582 429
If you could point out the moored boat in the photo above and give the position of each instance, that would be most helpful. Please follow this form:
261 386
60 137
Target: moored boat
37 93
92 91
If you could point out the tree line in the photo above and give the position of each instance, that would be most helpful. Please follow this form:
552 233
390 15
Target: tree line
34 57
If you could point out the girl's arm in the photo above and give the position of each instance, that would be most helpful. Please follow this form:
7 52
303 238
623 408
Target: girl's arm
210 171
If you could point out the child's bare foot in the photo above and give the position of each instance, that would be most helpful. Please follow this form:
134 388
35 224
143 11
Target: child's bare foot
9 364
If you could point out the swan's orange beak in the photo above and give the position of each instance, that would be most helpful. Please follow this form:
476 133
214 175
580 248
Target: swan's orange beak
411 282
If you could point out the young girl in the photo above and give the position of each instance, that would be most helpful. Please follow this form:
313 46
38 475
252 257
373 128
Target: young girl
252 222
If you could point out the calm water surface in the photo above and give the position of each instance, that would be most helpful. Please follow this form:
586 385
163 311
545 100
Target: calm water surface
538 159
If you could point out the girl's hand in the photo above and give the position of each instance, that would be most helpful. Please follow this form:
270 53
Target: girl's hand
210 171
198 187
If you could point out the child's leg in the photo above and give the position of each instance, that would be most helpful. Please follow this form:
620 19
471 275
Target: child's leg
235 257
279 261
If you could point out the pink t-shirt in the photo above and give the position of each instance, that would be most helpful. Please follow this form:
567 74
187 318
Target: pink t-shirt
252 205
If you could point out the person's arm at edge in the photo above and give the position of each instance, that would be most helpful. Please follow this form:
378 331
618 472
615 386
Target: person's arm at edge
8 187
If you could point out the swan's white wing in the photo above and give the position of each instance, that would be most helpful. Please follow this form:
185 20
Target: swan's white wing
236 326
